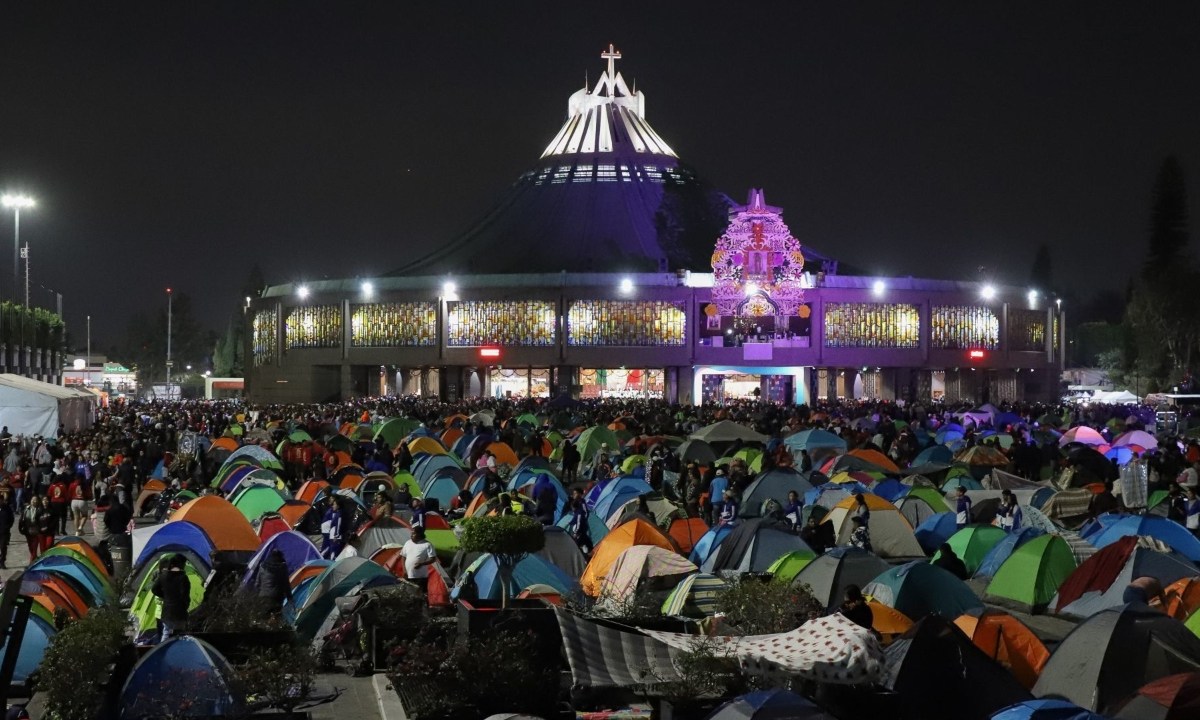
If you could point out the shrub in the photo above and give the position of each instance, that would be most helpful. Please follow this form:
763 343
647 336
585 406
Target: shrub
508 538
78 665
279 677
703 675
759 606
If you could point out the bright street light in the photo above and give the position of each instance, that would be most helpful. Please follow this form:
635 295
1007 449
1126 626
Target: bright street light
988 292
16 203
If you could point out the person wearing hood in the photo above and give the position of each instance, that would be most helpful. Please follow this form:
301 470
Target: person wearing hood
174 588
273 582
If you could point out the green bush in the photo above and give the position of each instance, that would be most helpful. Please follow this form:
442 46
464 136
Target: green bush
78 664
760 606
280 677
502 535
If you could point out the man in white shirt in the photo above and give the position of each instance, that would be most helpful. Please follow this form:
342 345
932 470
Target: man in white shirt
418 554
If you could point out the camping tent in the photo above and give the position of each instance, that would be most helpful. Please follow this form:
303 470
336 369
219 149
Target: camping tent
1006 640
753 546
33 407
634 532
829 575
891 535
918 589
644 568
181 668
1028 579
772 485
1101 580
1107 657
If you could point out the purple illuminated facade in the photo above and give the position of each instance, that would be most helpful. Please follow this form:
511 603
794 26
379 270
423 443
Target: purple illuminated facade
610 269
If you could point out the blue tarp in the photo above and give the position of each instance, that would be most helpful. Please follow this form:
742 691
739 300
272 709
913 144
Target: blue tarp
1159 528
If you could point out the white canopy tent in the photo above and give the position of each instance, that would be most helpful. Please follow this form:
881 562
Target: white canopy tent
33 407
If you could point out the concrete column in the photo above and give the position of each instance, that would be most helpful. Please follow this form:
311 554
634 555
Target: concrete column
346 382
685 386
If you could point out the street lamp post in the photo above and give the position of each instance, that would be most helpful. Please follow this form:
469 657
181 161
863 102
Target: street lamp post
168 343
17 203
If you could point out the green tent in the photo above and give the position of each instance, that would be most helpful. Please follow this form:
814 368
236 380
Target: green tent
146 607
254 500
395 430
931 496
748 454
589 441
632 462
756 463
529 420
406 478
1193 622
445 542
788 565
1030 577
1156 498
235 430
299 436
972 543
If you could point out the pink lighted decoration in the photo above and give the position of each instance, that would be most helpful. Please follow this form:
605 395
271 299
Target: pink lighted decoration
757 263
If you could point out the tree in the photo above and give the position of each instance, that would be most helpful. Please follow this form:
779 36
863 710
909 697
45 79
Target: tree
1041 275
228 355
1168 220
145 346
508 538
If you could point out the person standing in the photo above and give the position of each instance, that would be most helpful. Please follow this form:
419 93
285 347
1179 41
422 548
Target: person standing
729 509
962 507
1009 512
77 492
28 526
59 502
174 588
7 519
333 528
46 524
716 495
1192 511
418 554
272 583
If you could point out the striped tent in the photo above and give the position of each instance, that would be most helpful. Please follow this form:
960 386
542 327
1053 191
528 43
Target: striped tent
695 596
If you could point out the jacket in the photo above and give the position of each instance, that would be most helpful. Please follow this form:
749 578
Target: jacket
272 581
174 588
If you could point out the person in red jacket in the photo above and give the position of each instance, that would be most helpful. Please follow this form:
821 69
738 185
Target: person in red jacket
77 491
59 500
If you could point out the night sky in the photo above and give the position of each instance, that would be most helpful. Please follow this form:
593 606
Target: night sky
177 144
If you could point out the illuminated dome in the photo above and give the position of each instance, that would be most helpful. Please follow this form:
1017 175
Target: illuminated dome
607 194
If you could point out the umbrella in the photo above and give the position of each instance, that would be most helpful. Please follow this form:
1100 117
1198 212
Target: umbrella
1093 462
1081 434
1140 438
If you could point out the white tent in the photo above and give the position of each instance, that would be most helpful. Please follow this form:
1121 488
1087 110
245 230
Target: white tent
33 407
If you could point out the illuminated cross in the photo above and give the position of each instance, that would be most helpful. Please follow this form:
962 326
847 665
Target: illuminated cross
611 55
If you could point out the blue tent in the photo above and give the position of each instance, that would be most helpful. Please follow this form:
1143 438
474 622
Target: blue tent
958 481
936 530
182 667
484 572
175 536
1099 523
918 589
593 495
812 440
708 543
37 637
441 487
337 580
829 494
768 704
1045 710
934 454
425 466
597 528
296 548
75 572
1159 528
891 489
619 492
1001 550
463 444
948 435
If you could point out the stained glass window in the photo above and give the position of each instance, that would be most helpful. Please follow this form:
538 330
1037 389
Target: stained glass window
626 323
494 322
872 325
964 326
1026 329
313 326
411 324
266 337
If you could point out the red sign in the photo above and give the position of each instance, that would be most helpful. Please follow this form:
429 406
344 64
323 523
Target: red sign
976 354
490 353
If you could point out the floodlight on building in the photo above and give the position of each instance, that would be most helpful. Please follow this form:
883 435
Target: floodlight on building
988 292
751 289
878 287
302 292
626 286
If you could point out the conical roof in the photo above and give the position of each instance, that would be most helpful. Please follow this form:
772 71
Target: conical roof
607 194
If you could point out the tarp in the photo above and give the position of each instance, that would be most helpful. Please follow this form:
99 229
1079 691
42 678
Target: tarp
33 407
830 649
602 655
1107 657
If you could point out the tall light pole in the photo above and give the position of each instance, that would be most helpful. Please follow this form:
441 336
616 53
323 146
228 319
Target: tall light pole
89 349
168 343
16 203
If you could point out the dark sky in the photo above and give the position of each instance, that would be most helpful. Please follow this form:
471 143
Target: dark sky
177 144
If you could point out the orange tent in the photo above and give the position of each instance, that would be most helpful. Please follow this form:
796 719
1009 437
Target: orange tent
451 436
154 486
1007 641
71 599
504 454
876 458
478 503
352 479
686 531
308 491
226 526
339 458
305 572
1183 598
888 622
52 601
617 541
293 512
390 559
459 416
84 549
225 443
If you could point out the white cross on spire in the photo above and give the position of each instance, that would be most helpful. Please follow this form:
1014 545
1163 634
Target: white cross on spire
611 55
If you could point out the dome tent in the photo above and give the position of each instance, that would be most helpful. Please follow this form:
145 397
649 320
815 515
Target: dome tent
891 535
829 575
1100 581
1030 577
919 589
183 667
